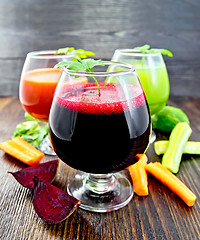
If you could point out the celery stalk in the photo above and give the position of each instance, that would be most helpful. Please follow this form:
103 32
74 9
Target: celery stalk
177 141
190 147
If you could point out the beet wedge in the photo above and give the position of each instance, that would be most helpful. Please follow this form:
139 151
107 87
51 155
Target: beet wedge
45 171
51 203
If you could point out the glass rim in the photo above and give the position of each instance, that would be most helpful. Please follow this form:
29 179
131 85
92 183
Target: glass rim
129 51
130 69
47 54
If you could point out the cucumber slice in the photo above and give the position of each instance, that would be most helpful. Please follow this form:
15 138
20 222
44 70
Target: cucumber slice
177 141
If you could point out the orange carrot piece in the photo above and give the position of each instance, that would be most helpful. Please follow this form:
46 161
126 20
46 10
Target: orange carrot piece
139 175
170 180
21 150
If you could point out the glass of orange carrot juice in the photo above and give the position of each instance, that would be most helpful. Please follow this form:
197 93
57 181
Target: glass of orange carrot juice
38 81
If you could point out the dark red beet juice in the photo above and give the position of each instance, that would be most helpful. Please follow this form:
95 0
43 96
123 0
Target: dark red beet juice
99 134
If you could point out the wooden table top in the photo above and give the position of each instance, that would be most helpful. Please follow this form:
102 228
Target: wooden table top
161 215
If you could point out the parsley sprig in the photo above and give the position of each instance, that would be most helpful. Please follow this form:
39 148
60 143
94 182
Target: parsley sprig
146 49
80 53
79 65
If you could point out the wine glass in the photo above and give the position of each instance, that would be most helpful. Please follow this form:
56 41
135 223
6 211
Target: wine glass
37 86
153 75
100 133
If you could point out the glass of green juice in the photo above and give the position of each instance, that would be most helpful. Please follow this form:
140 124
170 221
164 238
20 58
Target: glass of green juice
153 76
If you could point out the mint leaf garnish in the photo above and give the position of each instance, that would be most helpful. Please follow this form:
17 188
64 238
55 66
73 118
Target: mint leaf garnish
146 49
80 53
85 65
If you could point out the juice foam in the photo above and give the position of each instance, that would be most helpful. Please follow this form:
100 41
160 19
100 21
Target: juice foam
84 98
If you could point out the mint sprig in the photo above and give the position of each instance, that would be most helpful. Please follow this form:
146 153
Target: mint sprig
145 49
80 53
85 65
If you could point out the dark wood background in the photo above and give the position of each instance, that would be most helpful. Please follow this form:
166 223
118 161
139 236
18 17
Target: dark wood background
102 26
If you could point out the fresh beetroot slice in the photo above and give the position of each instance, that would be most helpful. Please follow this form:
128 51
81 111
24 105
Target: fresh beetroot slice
51 203
45 171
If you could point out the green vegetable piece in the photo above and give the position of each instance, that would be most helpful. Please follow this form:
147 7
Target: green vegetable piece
36 138
177 141
167 118
85 65
80 53
190 147
24 128
31 131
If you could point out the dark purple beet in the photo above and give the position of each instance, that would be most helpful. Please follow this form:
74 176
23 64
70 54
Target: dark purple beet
52 204
45 171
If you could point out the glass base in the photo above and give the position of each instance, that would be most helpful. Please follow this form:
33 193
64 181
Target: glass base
45 147
101 192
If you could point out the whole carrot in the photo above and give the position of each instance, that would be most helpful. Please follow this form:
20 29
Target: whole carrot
170 180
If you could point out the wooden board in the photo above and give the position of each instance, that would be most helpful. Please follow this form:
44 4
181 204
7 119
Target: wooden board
161 215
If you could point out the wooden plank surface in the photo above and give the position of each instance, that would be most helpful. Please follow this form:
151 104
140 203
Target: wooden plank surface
101 26
161 215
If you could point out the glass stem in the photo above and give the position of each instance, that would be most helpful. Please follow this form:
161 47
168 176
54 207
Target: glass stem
100 183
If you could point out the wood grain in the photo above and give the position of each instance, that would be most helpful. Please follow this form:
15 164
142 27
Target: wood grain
101 26
161 215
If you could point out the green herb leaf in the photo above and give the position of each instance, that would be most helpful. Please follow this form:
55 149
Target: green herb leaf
146 49
83 54
89 64
80 53
31 131
142 49
64 50
78 65
162 51
71 65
